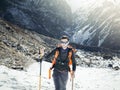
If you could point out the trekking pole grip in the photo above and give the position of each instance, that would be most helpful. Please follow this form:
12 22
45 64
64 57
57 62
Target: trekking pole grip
41 54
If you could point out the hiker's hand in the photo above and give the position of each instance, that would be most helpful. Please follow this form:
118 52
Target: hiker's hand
50 68
72 74
42 51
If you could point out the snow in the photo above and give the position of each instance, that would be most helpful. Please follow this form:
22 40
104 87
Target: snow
83 35
85 78
106 30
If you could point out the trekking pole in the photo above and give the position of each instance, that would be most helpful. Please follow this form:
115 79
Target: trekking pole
72 83
40 59
72 80
49 74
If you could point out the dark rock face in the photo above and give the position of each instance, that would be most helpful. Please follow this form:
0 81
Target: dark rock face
43 16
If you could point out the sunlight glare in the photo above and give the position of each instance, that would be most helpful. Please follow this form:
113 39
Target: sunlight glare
74 4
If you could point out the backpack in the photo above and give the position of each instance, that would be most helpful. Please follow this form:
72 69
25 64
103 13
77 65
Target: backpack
57 61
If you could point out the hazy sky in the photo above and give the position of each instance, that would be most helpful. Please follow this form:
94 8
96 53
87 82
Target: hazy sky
75 4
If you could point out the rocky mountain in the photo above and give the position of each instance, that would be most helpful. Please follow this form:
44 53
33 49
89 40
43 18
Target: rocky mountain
94 23
20 47
97 23
43 16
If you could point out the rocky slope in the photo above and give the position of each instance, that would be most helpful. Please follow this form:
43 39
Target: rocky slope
20 47
97 60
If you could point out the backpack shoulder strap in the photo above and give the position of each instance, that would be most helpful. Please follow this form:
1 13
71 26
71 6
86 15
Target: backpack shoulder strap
55 55
70 52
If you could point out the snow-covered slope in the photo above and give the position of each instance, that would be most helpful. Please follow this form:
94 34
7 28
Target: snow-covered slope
85 79
97 23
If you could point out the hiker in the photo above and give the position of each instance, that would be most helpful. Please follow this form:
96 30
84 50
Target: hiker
63 58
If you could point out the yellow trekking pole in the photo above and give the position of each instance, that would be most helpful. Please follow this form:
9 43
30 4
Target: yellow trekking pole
72 80
49 74
41 53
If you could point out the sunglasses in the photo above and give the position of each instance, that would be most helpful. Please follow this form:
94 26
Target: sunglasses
64 42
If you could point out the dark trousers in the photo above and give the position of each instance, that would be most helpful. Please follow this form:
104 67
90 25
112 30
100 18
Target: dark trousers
60 79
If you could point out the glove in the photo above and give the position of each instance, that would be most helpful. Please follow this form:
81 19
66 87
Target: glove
72 74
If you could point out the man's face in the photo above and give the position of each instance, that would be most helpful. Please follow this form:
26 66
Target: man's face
64 43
